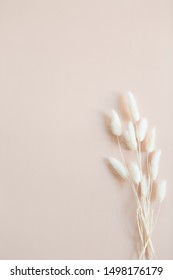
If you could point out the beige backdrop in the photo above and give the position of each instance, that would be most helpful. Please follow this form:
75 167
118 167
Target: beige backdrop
62 66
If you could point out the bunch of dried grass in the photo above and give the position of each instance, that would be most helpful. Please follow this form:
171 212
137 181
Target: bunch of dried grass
141 175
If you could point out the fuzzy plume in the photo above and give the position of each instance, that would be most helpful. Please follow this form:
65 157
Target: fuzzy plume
154 164
133 108
142 129
119 167
150 142
130 137
144 186
135 173
116 124
161 190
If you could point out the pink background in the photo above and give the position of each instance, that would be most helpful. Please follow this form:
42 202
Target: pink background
62 66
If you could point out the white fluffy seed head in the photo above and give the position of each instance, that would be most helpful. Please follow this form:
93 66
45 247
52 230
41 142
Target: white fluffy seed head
154 164
133 108
135 173
144 186
142 129
161 190
126 139
119 167
130 137
116 124
150 142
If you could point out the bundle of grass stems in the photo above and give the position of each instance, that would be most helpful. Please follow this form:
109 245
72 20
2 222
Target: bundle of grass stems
141 174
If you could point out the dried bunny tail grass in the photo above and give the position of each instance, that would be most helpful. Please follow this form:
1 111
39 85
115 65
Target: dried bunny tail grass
144 186
135 173
116 124
161 190
119 167
142 129
154 164
133 108
127 140
150 142
141 182
130 137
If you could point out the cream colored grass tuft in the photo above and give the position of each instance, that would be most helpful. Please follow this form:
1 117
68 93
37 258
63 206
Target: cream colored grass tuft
154 165
150 142
142 129
161 190
133 108
119 167
116 124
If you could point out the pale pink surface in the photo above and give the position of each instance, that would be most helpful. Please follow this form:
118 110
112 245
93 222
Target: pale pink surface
63 65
